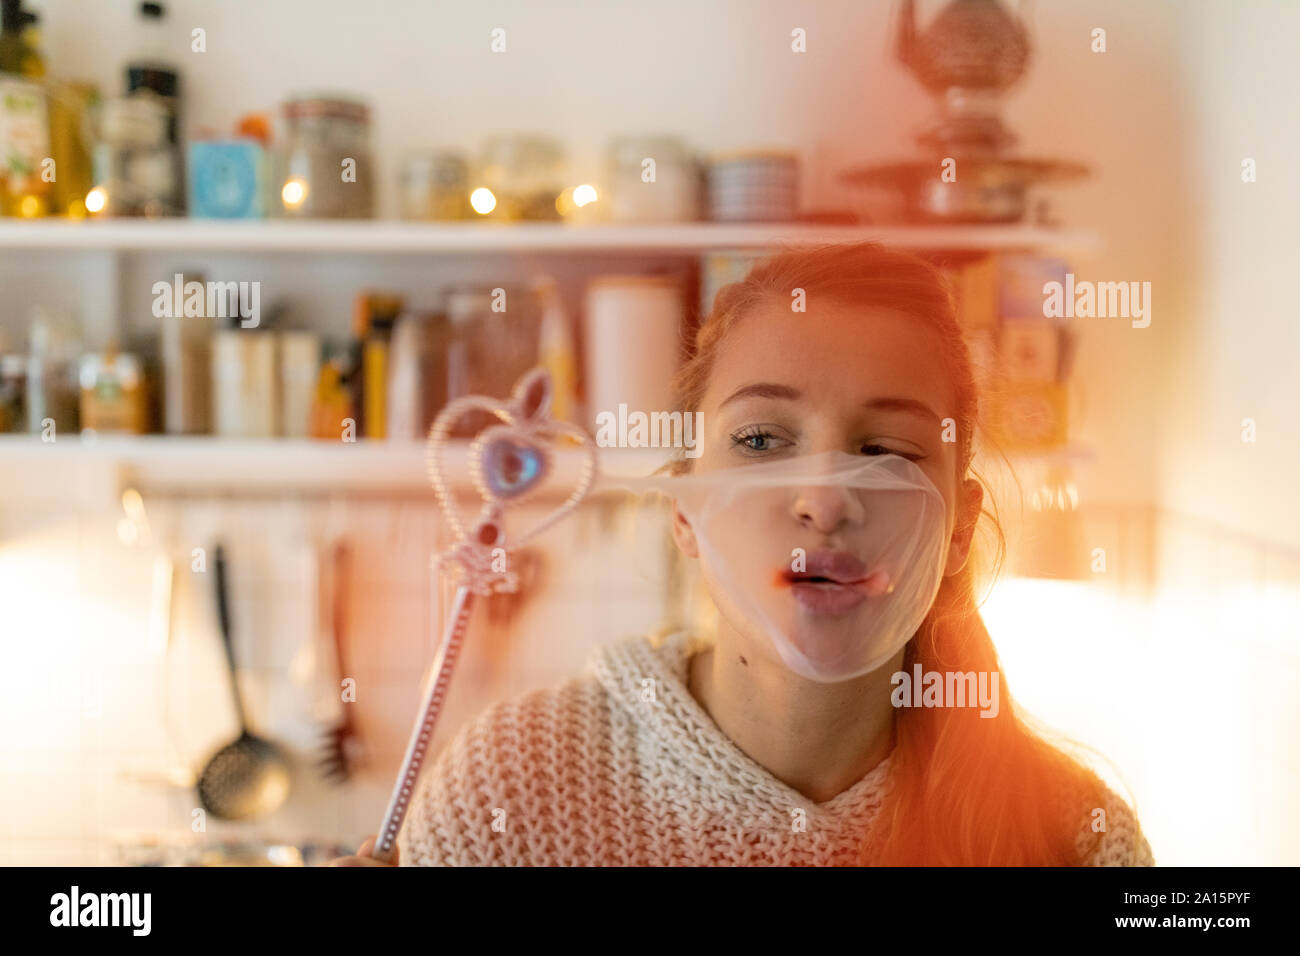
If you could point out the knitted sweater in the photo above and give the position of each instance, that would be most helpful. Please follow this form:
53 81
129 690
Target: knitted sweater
622 766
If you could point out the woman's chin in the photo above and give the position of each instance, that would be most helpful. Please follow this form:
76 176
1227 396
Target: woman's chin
825 641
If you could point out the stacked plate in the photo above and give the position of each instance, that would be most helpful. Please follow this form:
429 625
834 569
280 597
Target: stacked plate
754 187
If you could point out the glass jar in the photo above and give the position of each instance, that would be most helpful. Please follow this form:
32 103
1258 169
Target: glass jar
324 170
435 186
134 163
525 174
672 195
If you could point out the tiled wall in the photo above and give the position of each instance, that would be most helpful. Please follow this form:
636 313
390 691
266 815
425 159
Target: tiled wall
1187 690
96 709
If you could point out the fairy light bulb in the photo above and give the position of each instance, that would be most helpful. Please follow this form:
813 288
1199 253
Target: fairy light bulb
482 200
294 193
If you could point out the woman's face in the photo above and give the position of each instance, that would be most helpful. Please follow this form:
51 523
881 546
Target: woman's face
835 378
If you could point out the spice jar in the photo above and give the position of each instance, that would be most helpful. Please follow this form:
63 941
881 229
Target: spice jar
525 174
324 170
435 186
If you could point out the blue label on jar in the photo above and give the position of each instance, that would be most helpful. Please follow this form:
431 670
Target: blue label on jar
226 180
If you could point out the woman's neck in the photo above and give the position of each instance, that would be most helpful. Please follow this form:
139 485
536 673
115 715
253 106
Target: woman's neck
819 739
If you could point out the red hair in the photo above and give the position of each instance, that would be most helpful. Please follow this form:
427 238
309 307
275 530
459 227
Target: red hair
964 789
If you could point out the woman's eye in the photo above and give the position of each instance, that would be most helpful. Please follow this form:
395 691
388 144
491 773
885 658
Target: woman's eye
873 449
756 440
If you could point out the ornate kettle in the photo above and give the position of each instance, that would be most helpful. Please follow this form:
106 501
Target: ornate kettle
972 45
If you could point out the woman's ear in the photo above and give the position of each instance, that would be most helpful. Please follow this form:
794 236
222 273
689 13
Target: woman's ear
968 513
684 534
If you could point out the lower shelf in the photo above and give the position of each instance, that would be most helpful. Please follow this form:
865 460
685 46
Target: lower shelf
164 464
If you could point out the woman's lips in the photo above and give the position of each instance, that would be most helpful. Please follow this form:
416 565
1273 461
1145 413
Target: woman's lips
827 599
833 583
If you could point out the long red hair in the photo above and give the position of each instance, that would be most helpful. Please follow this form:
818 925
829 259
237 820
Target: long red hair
964 789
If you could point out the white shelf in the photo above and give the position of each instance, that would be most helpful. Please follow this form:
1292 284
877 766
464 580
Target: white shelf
164 464
375 237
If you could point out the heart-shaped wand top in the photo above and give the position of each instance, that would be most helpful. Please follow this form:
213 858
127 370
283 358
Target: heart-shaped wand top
507 463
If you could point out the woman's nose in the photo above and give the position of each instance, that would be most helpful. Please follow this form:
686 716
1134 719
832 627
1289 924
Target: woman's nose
825 508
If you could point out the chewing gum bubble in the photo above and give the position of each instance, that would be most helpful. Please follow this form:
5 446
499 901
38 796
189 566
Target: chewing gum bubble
829 561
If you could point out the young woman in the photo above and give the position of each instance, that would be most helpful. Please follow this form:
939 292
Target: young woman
674 750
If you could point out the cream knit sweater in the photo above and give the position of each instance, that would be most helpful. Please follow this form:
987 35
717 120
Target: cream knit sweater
623 766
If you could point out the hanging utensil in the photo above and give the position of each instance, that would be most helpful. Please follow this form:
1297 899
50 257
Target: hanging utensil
342 750
250 775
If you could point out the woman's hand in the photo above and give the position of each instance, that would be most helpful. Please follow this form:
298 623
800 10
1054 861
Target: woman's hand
365 857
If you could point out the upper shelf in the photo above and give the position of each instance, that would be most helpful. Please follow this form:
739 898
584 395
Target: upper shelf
166 464
381 236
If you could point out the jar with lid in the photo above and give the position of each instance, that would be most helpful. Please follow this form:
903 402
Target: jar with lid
667 191
324 169
435 185
526 175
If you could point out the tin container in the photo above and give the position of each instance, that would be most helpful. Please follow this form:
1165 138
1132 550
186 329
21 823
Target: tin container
633 326
227 179
754 187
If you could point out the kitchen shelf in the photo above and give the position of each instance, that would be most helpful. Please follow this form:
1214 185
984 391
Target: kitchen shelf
379 236
163 464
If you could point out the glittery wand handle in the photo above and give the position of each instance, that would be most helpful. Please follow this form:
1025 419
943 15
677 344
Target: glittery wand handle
508 463
422 735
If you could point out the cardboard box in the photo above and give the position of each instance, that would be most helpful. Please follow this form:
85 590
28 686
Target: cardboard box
1029 350
1030 416
977 293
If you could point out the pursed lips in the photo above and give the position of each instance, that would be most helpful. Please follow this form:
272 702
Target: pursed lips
833 582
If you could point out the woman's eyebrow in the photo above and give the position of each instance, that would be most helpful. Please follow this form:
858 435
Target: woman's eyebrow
761 390
912 405
886 403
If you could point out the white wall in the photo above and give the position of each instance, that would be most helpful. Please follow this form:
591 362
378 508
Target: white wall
1239 354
